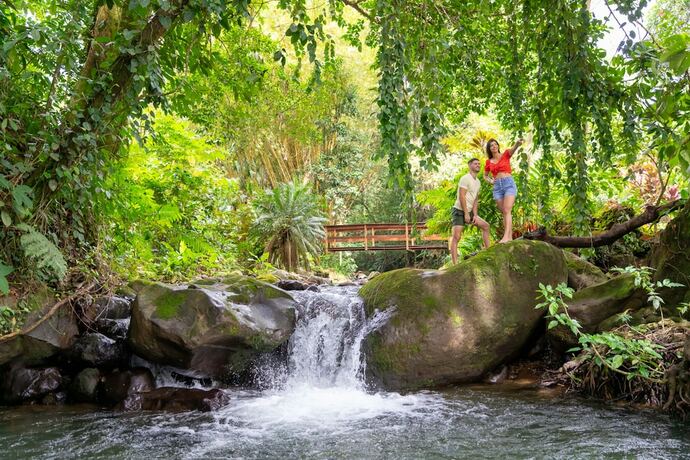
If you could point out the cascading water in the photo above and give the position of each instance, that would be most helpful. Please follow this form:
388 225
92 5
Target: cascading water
323 380
315 404
325 349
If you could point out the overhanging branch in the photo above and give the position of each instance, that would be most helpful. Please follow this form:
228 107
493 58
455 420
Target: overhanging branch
650 214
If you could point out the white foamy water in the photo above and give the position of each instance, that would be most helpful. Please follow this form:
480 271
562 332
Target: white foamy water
324 380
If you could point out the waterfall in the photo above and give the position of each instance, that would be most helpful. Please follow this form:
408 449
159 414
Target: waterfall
325 349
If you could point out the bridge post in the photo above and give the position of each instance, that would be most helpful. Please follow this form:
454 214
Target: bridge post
407 236
366 243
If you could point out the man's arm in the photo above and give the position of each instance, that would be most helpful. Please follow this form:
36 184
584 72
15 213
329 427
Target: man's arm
462 193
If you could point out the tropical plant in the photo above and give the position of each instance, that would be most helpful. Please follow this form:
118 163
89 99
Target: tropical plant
290 221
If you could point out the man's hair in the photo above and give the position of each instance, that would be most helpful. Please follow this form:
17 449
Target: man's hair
473 159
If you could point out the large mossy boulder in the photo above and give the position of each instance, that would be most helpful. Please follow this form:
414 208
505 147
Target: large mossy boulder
671 258
582 274
215 326
455 325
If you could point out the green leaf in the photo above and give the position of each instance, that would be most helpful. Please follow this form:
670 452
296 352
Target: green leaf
552 324
23 202
6 218
617 361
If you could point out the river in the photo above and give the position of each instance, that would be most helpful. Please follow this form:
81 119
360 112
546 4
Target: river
317 405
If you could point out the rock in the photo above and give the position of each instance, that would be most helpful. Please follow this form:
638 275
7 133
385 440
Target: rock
96 349
27 384
53 399
54 334
118 385
177 400
216 329
596 307
115 329
592 305
373 275
582 274
292 285
113 307
671 258
85 385
457 324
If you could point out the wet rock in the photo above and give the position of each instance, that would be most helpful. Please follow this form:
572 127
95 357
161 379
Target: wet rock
116 386
582 274
216 329
115 329
96 349
27 384
85 385
455 325
292 285
373 275
177 400
54 399
113 307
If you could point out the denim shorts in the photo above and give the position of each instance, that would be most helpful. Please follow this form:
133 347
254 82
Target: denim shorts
505 186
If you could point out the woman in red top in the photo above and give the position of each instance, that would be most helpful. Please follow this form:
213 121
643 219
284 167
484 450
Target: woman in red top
498 164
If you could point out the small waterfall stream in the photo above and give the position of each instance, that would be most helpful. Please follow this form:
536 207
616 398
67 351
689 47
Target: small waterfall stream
325 349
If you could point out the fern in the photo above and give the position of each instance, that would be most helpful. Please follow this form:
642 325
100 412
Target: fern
47 256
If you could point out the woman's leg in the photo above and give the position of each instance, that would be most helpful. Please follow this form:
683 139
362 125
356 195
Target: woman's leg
507 211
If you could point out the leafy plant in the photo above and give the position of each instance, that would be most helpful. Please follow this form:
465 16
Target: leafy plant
290 221
643 280
47 257
630 357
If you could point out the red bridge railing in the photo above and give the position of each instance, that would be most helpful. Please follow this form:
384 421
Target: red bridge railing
381 237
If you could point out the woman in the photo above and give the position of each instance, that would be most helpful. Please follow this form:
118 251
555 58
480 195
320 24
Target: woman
498 164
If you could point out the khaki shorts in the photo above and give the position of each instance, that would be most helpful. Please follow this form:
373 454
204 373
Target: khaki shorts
458 217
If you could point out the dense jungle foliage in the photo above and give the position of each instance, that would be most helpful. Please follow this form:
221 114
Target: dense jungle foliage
168 138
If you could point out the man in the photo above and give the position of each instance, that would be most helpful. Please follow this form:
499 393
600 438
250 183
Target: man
464 210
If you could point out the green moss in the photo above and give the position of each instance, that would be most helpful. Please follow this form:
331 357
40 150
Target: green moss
168 305
456 319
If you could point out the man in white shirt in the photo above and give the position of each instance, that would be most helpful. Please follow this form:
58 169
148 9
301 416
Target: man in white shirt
464 210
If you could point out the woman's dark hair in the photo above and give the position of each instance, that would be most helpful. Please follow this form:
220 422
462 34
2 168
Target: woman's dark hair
488 147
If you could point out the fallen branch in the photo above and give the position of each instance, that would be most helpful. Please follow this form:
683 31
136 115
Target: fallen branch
650 214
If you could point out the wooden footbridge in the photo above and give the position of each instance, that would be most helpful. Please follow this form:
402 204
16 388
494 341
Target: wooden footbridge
382 237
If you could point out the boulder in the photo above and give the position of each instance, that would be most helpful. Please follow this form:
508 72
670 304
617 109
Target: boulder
85 385
177 400
455 325
113 307
671 258
592 305
35 343
597 308
22 384
582 274
96 349
115 329
215 327
117 386
292 285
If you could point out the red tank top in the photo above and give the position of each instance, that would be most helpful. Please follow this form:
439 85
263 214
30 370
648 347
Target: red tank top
502 166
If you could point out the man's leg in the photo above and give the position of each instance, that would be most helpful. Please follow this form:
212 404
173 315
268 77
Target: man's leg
456 234
484 227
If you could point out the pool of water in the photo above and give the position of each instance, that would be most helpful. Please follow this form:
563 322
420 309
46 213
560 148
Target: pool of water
347 423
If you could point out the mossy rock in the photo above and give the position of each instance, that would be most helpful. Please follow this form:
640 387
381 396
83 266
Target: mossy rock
32 345
582 274
671 258
596 308
216 327
455 325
